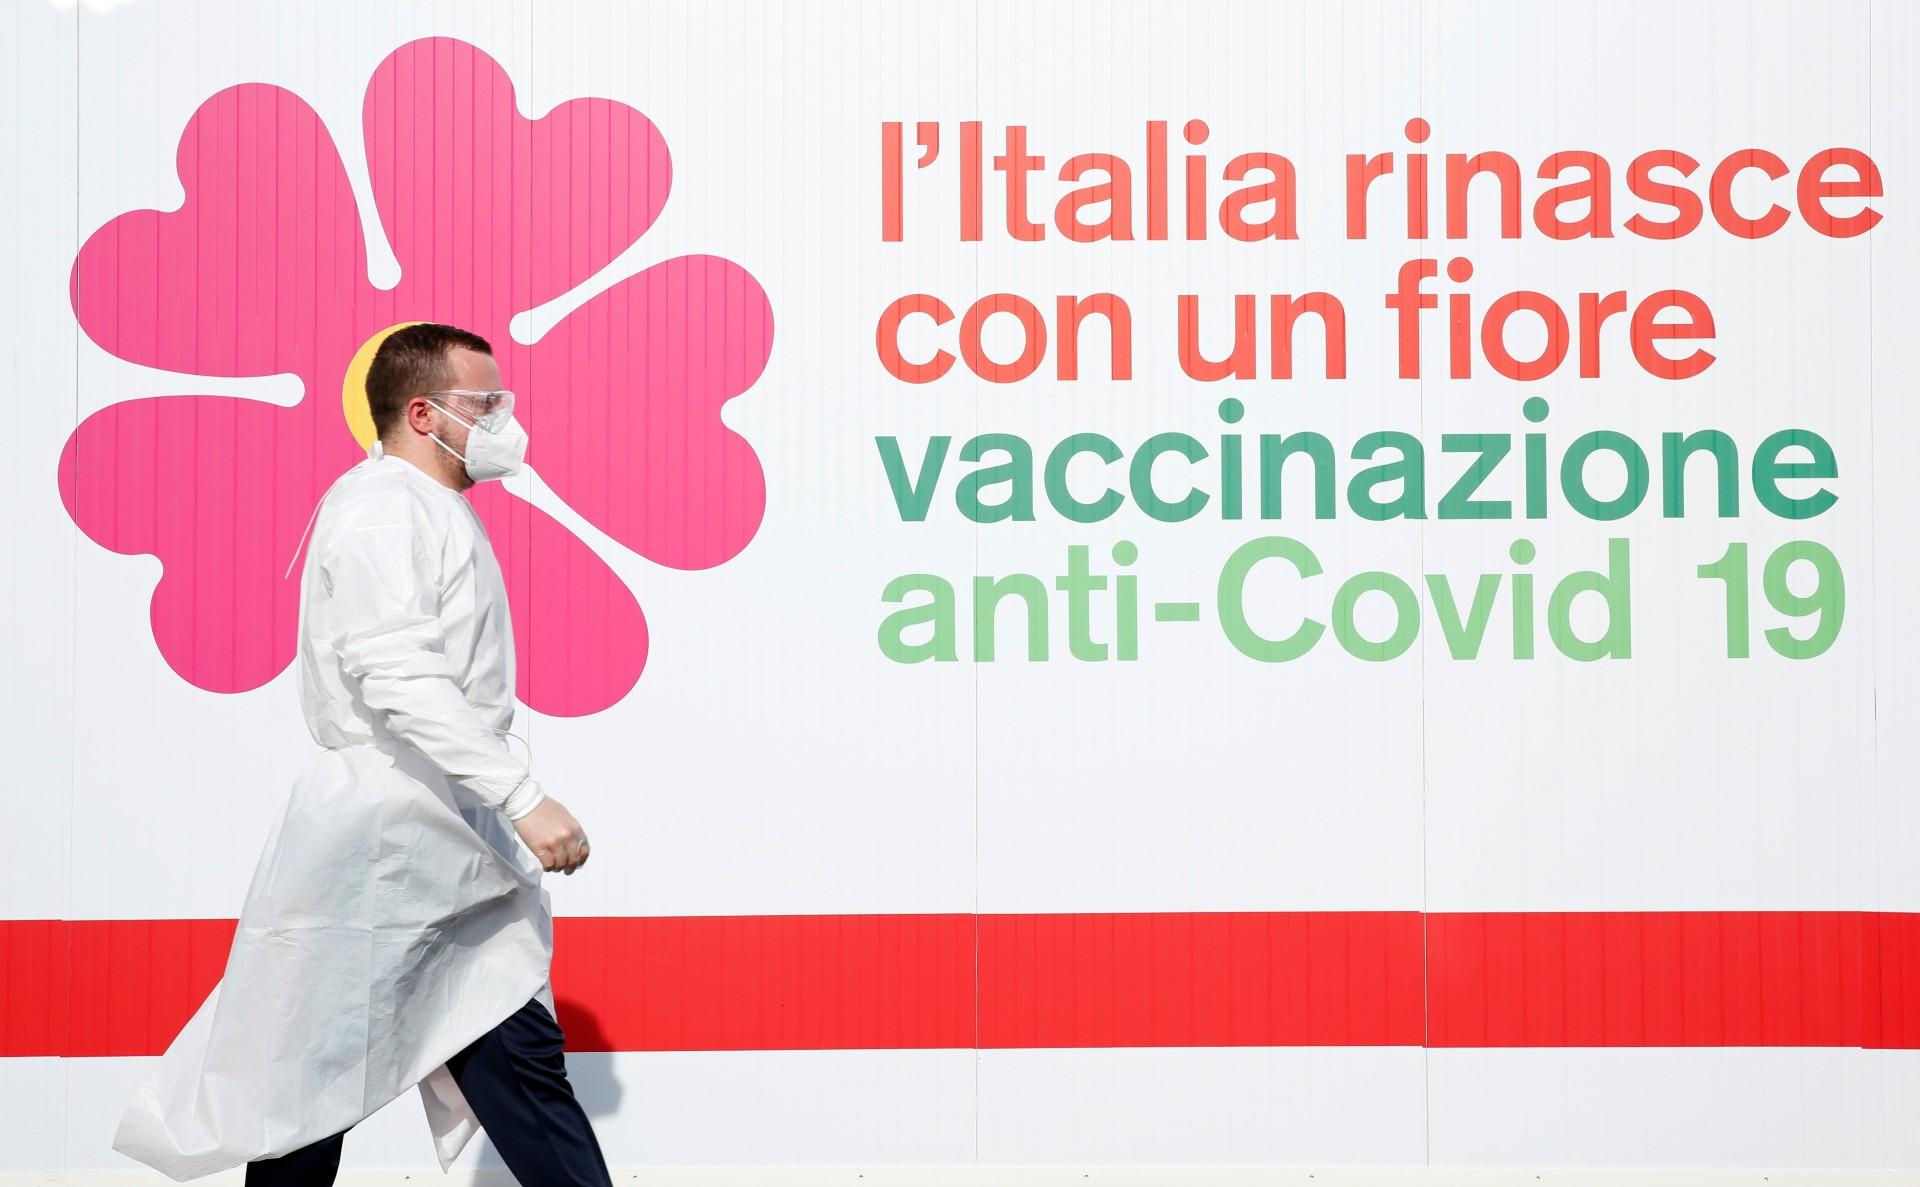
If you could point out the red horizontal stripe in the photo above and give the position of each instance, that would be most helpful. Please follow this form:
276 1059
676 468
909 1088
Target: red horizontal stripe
1238 978
1675 979
1318 978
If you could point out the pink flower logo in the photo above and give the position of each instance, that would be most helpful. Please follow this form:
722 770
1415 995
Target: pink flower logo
263 271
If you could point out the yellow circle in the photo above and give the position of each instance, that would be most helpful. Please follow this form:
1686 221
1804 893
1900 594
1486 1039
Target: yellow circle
353 389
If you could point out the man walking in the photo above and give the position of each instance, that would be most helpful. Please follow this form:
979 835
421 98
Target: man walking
395 933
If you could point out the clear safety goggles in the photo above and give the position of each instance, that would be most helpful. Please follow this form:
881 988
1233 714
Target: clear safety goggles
488 410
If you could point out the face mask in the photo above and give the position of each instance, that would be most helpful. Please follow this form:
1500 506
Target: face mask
490 455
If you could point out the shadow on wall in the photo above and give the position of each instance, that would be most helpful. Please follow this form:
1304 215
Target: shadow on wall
589 1062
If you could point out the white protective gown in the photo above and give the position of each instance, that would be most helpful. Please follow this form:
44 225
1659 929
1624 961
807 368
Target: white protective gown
394 915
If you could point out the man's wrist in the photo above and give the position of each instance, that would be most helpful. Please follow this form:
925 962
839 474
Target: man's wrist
525 798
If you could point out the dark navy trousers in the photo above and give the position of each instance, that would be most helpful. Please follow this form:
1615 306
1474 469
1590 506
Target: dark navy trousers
515 1078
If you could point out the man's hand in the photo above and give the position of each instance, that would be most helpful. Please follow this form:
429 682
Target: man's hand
554 836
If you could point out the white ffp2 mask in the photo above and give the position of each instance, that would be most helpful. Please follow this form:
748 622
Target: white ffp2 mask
490 455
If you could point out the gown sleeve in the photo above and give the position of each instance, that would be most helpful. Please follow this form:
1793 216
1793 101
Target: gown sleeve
392 642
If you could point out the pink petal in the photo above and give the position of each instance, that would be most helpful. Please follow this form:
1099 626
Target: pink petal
258 270
491 213
624 415
218 489
579 637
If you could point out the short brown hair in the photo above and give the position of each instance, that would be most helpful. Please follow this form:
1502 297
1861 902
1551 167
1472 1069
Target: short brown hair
413 359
